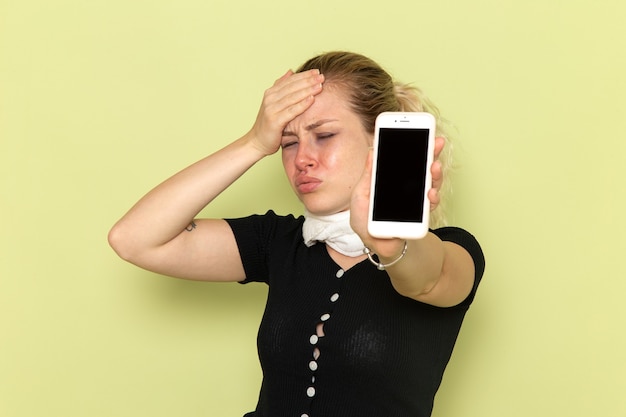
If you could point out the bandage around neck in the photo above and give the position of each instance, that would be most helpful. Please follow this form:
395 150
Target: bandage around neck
334 230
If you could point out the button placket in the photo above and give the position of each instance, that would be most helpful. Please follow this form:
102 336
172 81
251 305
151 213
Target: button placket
315 338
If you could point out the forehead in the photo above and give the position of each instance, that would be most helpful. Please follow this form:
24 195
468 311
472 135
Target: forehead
331 103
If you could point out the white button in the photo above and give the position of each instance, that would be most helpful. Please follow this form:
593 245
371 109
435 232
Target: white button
340 273
313 365
325 317
310 392
313 339
304 415
334 297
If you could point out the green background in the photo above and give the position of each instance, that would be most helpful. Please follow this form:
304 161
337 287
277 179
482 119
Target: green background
101 100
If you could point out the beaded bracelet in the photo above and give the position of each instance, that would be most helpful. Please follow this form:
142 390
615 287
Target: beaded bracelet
380 265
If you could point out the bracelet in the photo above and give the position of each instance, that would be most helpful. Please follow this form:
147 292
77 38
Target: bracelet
380 265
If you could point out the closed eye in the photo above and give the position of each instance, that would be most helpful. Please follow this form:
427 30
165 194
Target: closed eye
288 144
325 135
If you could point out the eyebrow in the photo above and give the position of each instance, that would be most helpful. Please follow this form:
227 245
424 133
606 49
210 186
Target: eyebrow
310 127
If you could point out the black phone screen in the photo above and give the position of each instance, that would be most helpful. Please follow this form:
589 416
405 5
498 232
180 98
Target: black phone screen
400 175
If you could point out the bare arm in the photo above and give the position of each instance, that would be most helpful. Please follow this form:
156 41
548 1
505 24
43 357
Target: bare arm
432 271
159 232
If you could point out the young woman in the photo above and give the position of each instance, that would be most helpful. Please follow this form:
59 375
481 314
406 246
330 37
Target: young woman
340 336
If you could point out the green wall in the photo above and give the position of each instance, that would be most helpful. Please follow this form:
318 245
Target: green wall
102 99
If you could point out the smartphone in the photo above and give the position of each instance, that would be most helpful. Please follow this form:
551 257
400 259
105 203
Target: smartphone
403 154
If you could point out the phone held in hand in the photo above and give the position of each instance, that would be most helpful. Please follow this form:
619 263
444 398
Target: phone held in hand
403 154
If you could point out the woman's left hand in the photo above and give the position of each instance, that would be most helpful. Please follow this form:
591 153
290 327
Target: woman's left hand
359 205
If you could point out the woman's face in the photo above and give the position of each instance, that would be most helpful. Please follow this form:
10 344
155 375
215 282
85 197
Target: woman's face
324 151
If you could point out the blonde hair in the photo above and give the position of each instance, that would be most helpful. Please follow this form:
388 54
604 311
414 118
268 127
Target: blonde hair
370 91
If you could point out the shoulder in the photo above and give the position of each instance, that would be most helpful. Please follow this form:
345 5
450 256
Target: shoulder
466 240
456 235
260 234
268 222
265 241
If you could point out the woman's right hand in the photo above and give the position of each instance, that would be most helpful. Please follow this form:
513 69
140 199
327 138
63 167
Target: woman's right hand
290 96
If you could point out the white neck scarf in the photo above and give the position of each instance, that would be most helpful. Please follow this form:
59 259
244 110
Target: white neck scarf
334 230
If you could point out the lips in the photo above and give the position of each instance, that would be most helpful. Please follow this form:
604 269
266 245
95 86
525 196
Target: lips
306 184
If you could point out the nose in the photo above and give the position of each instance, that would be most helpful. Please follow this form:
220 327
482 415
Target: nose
305 157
